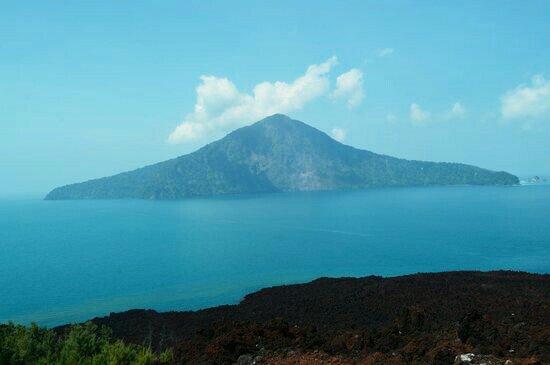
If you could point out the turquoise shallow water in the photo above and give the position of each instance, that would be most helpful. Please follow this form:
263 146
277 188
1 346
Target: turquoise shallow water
63 261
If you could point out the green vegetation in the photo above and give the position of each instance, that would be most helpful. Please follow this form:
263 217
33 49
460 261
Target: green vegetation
272 155
85 344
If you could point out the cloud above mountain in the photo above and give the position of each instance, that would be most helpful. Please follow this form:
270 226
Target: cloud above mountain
384 52
221 106
422 117
339 134
527 101
457 111
418 115
349 87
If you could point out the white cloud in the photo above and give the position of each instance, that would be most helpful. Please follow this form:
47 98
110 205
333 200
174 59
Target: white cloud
457 111
220 106
527 101
418 115
349 86
385 52
422 117
339 134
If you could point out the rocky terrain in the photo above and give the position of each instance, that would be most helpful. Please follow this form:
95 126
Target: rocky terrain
444 318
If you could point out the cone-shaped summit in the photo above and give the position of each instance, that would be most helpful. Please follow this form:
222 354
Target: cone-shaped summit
276 154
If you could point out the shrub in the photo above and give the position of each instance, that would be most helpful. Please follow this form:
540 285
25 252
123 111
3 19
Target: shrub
86 344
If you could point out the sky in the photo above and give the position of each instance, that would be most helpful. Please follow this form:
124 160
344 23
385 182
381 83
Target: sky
90 89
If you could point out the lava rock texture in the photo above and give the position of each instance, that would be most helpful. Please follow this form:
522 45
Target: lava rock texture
496 317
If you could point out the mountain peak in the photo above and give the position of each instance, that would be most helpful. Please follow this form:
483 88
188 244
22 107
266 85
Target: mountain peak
279 120
282 133
275 154
277 117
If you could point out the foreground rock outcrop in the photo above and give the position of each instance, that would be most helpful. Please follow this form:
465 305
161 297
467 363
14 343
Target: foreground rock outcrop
444 318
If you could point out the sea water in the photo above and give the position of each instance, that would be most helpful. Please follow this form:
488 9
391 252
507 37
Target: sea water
67 261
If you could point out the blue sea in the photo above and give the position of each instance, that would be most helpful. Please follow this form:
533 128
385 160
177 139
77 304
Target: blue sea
67 261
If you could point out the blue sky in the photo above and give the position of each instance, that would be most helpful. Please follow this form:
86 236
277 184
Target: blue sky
90 89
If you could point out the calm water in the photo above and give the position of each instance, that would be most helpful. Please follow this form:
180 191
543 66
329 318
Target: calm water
71 260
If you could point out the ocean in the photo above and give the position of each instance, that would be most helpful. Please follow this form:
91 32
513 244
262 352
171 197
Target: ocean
68 261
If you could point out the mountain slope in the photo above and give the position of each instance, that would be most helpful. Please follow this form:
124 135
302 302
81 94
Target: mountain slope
276 154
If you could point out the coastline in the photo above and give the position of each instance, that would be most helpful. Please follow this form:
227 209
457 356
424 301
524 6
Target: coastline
498 315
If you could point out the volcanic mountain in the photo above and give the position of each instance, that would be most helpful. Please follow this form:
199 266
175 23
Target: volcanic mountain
273 155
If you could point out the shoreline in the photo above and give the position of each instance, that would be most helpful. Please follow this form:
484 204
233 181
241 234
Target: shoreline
47 319
423 316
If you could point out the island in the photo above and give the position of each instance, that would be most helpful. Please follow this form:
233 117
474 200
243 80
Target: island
276 154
